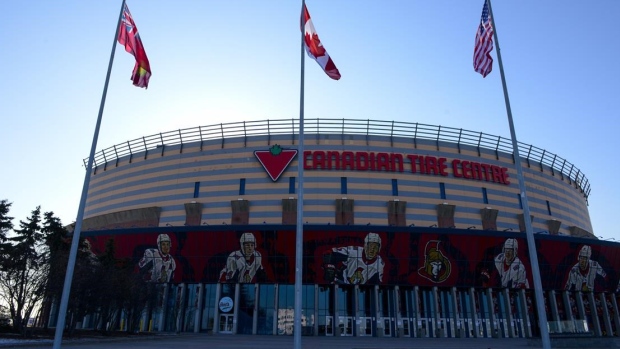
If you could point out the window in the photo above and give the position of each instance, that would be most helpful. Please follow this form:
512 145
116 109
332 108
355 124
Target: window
343 185
196 189
395 187
242 186
485 198
549 208
442 190
291 185
520 202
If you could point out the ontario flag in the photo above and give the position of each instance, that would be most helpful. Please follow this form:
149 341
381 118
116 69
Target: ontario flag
314 48
483 62
128 36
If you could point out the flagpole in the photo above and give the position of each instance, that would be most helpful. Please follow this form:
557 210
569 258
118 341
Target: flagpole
62 312
300 199
531 244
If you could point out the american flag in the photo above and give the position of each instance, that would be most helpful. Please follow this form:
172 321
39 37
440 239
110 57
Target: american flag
483 62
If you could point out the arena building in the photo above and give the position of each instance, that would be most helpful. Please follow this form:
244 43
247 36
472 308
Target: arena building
410 230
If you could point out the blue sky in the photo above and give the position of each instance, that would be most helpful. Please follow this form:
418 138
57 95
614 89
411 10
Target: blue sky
234 60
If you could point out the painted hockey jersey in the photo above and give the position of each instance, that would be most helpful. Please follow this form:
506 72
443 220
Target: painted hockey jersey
357 269
240 269
579 280
513 275
161 267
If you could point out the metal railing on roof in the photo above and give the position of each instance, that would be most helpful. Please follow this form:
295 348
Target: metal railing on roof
342 127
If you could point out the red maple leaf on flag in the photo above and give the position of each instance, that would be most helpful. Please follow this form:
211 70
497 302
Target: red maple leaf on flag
314 44
314 48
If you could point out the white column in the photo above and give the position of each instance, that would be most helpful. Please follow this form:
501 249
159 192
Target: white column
216 314
606 318
199 303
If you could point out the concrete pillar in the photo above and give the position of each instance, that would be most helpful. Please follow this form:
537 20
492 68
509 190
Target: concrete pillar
489 218
179 306
255 315
606 319
445 215
236 310
397 211
164 309
276 293
493 319
380 330
457 318
199 307
473 301
595 321
581 310
289 211
614 305
567 307
240 213
437 326
579 232
216 315
525 314
417 321
399 317
316 310
193 213
510 317
553 308
553 225
356 304
345 211
336 321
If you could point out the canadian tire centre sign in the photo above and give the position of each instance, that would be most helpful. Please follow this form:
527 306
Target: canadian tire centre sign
276 160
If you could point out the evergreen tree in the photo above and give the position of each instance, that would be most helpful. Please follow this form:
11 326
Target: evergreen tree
6 225
24 271
57 245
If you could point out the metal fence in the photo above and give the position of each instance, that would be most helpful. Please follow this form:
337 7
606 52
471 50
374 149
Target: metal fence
342 127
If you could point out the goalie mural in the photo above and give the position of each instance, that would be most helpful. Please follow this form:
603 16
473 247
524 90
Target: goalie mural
157 264
355 264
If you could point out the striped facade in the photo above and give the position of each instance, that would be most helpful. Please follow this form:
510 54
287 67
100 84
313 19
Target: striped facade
211 172
442 206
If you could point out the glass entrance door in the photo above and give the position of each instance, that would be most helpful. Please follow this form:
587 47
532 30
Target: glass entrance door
226 323
346 325
365 326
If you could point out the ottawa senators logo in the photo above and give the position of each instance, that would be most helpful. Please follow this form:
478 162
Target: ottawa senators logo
436 266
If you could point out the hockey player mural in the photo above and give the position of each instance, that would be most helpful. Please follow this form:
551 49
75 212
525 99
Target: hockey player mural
511 271
158 264
355 264
583 274
244 265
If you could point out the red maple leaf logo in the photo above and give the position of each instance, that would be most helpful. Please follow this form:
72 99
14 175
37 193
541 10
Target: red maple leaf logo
314 45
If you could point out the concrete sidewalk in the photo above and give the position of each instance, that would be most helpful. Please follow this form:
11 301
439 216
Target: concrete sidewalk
191 341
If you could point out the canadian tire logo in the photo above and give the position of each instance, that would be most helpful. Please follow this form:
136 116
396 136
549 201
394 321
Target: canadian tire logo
275 160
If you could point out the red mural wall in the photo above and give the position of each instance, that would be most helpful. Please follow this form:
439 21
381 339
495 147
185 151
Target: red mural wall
356 257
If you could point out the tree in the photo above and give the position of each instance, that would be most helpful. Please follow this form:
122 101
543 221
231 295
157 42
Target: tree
6 225
24 271
57 245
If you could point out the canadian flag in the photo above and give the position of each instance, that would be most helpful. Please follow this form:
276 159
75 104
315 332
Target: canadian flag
314 48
